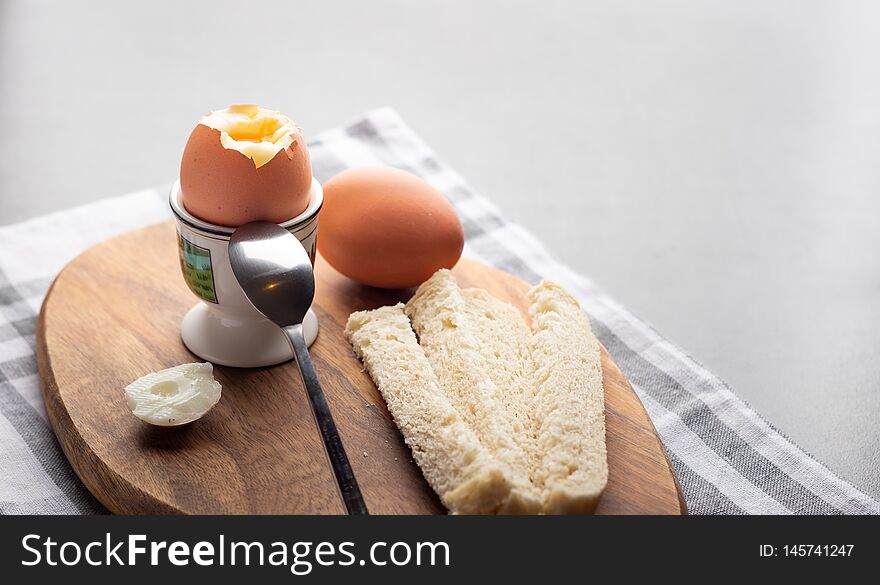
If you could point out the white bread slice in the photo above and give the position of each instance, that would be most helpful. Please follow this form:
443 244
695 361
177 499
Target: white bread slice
468 479
570 403
505 345
452 343
514 422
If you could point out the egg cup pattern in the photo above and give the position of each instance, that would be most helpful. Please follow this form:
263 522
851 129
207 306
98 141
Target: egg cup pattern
224 327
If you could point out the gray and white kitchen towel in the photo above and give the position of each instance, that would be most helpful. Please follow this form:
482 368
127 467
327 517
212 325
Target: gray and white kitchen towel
729 460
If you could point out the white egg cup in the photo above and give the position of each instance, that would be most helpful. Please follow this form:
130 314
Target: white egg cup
224 327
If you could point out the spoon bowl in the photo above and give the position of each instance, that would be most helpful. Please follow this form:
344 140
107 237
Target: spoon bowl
274 270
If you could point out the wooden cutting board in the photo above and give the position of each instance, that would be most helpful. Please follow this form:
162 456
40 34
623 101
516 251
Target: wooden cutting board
113 315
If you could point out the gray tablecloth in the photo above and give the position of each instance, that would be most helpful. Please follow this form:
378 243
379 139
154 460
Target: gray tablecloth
729 460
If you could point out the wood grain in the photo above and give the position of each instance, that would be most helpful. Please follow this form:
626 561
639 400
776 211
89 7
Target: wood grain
113 314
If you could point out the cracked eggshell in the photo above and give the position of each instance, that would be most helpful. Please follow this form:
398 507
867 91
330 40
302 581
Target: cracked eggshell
224 187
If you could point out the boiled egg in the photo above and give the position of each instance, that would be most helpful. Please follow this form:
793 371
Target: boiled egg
245 163
387 228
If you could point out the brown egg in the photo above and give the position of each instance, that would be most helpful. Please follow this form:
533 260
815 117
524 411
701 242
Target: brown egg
244 164
387 228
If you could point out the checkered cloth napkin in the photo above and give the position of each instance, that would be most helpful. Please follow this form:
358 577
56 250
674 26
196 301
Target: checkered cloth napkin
729 460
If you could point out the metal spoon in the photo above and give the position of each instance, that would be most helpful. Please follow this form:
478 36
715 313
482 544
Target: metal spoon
276 275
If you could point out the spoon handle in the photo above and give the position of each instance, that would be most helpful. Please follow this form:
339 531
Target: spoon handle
348 486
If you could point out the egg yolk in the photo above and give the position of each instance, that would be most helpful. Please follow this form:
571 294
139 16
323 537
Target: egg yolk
253 131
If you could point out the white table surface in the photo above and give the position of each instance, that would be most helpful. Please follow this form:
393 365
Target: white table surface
713 165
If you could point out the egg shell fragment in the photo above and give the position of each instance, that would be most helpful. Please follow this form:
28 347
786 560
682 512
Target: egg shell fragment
175 396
